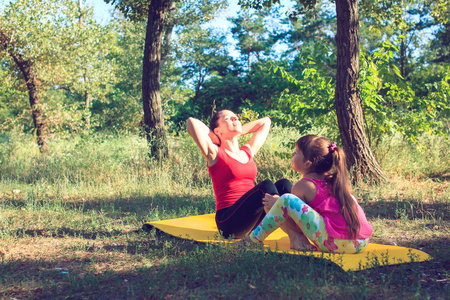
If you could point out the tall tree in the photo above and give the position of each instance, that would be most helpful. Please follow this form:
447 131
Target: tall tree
32 44
151 76
347 100
28 71
54 52
249 29
157 14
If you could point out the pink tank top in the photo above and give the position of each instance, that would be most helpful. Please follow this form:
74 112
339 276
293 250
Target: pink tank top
328 207
231 179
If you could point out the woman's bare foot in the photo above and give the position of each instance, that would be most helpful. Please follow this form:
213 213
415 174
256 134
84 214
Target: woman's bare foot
300 242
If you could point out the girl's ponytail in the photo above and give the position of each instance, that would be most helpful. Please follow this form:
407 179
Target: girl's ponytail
341 189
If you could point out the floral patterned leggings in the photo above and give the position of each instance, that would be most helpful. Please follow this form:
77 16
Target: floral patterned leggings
309 221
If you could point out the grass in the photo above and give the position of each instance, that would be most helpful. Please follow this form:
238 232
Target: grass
70 225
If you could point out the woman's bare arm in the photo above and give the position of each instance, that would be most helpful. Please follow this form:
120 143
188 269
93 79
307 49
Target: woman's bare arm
260 129
203 137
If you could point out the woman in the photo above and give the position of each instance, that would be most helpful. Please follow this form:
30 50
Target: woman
239 206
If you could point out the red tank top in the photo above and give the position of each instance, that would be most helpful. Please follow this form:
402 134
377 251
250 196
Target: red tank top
231 179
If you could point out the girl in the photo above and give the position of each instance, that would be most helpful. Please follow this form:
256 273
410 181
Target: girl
239 207
320 204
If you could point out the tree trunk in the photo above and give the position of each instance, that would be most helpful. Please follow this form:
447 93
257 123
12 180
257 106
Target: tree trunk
87 97
348 103
87 102
151 98
403 56
26 69
167 40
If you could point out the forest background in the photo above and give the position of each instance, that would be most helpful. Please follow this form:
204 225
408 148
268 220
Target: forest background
89 75
77 179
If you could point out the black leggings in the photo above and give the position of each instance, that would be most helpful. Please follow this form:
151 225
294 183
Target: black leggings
248 211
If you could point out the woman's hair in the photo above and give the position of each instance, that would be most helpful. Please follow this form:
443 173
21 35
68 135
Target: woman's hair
327 157
213 123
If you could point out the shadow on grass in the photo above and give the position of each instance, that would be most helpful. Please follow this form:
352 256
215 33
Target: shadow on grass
438 176
116 206
156 270
161 266
143 204
63 232
413 209
164 266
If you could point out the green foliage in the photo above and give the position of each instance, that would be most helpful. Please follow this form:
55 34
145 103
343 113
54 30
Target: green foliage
249 29
374 70
312 101
408 24
260 4
390 104
438 102
441 44
67 51
395 12
136 10
76 57
70 224
13 104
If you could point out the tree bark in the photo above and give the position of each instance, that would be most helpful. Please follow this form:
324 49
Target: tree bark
151 74
26 68
87 97
348 103
167 40
403 57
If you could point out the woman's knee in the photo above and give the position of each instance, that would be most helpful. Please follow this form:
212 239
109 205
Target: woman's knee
268 187
283 186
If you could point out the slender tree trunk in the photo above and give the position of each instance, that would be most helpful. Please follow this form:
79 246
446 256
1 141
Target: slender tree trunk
151 98
26 69
403 56
348 103
87 102
87 96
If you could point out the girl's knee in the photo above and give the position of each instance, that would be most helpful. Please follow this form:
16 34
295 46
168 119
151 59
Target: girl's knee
293 198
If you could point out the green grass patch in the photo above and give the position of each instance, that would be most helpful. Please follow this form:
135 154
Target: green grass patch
70 224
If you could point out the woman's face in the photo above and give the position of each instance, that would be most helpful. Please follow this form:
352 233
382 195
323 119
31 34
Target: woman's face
228 123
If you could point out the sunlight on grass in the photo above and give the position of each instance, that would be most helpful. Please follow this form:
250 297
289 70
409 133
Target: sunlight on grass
70 224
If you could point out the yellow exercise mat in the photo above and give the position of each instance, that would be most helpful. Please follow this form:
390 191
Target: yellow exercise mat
203 228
